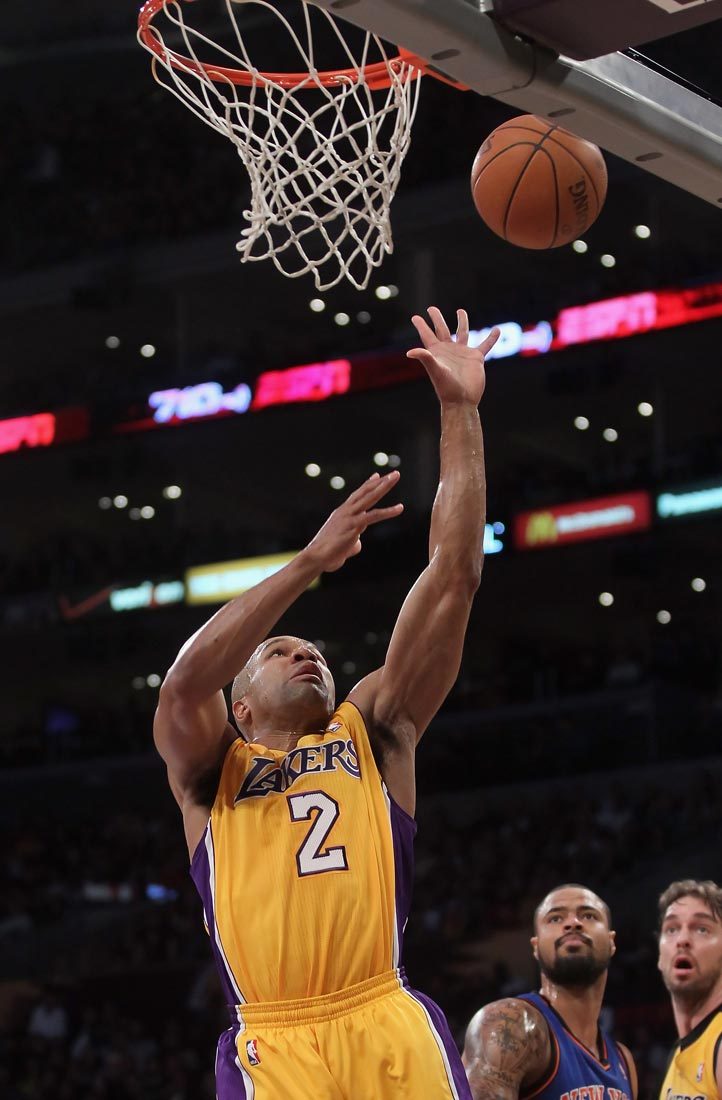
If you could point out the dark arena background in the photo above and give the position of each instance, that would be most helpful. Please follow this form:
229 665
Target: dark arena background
169 417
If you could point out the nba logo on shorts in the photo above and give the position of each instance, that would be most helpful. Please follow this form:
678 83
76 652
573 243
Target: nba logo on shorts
252 1052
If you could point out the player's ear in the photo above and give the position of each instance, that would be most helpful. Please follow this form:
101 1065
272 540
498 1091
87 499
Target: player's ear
241 712
613 941
534 941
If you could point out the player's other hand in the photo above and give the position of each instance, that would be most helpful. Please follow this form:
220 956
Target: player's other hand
456 370
340 537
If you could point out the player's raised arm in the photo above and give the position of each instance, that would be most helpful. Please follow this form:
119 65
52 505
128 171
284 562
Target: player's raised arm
191 726
507 1048
424 654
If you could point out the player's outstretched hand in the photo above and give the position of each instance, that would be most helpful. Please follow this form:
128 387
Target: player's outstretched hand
340 537
455 369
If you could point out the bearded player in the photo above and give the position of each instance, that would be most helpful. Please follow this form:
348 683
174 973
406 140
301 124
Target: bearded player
690 959
549 1044
301 830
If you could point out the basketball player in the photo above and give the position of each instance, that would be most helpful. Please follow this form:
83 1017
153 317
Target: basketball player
549 1044
690 959
301 830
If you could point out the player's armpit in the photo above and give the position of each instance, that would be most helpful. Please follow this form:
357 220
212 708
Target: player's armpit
507 1048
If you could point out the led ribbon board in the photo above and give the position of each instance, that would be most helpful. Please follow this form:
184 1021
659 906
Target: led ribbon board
610 319
43 430
582 520
315 382
147 594
221 581
198 402
690 502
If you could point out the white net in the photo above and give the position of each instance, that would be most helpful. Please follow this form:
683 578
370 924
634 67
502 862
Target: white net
324 161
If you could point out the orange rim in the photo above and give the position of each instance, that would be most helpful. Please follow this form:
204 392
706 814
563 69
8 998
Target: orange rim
378 75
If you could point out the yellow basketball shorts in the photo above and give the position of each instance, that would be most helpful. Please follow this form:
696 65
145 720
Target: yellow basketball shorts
378 1040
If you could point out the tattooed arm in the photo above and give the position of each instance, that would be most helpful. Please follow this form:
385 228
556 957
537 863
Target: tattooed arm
507 1048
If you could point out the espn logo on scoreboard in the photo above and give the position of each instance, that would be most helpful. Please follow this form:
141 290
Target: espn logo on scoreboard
583 520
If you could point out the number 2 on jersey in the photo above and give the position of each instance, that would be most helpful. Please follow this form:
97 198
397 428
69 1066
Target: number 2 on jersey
312 858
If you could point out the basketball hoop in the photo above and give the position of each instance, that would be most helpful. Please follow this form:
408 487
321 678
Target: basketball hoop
323 149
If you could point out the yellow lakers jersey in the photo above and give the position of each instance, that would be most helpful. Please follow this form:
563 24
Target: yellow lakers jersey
305 867
691 1070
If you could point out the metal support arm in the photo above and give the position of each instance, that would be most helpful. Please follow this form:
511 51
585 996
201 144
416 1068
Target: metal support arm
614 101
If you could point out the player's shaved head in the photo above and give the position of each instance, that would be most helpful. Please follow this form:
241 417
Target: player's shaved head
242 681
262 686
548 901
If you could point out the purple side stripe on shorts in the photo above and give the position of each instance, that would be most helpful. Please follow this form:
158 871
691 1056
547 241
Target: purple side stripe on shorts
232 1082
454 1065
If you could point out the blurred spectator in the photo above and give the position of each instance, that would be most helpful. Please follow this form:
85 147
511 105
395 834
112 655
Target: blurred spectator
48 1020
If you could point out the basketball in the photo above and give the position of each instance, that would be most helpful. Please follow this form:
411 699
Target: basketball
536 184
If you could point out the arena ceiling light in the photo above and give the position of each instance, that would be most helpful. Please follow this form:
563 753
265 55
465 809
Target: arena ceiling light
147 511
664 617
105 503
611 435
581 422
698 584
645 409
153 681
172 492
112 342
120 501
363 317
147 351
607 260
337 482
342 319
606 599
317 305
313 469
394 461
580 246
643 232
381 458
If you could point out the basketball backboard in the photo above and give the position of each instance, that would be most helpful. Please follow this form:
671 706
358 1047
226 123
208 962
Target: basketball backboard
585 30
614 100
